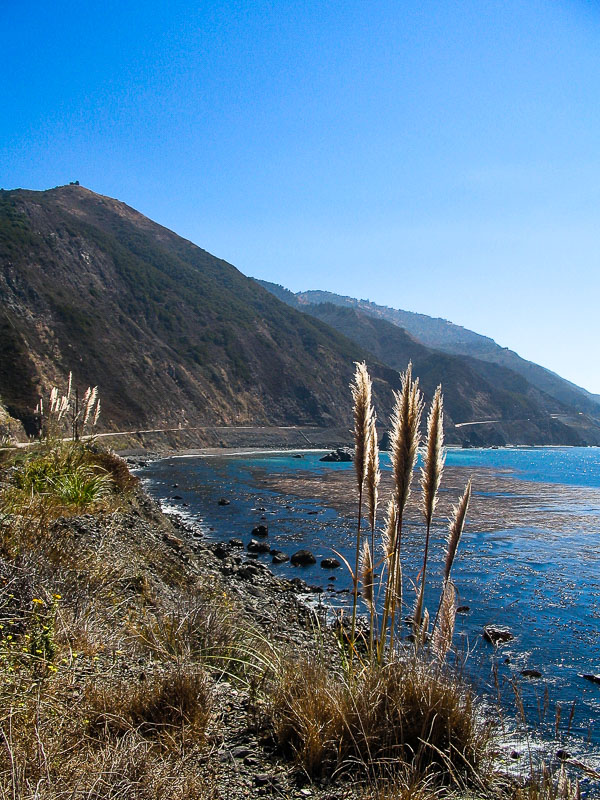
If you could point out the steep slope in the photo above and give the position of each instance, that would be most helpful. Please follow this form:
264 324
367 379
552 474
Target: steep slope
474 390
171 334
444 335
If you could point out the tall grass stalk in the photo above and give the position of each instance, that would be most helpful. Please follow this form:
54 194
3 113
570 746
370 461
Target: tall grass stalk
431 475
405 437
363 418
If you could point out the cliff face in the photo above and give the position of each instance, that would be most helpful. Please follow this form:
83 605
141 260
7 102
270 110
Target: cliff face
173 335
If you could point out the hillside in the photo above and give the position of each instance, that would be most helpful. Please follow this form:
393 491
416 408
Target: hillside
474 390
450 338
174 336
171 334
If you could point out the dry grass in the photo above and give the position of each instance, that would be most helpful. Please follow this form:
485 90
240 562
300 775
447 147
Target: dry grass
405 713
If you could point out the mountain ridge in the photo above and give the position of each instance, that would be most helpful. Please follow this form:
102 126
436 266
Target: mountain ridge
442 334
176 336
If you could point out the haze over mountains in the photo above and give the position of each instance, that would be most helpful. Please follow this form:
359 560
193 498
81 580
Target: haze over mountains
173 335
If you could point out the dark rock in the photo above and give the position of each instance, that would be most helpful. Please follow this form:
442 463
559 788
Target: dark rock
531 673
280 558
563 755
224 501
258 547
236 543
316 589
303 558
297 455
221 550
261 508
175 486
338 455
177 497
331 579
330 563
248 571
497 635
262 779
312 512
241 752
384 443
515 755
260 530
298 584
463 609
592 678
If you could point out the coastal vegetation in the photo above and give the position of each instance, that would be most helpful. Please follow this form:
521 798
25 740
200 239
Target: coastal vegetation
131 669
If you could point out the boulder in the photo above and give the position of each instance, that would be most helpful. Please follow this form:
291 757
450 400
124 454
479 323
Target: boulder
260 530
463 610
236 543
497 635
258 547
330 563
223 501
591 678
340 454
221 550
531 673
280 558
303 558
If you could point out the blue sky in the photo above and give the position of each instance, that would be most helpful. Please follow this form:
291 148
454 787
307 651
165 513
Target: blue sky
441 157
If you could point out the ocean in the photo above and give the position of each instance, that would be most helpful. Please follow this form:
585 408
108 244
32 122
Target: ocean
529 559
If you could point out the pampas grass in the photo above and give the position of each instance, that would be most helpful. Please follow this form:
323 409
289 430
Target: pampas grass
431 475
363 423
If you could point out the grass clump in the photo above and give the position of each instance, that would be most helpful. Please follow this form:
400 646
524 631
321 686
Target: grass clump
404 714
62 479
159 706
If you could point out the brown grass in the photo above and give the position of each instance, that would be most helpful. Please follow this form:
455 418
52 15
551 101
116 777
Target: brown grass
384 718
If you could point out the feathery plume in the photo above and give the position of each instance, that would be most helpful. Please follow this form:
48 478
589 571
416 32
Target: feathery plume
366 575
405 436
373 475
455 528
389 533
444 631
361 396
96 414
431 472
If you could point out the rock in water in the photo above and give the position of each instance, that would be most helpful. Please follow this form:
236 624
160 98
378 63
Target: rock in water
531 673
303 558
591 678
340 454
258 547
330 563
260 530
497 635
224 501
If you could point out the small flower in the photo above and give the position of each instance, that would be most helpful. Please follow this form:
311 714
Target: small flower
38 601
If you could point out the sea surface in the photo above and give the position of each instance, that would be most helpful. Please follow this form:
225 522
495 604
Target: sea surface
529 559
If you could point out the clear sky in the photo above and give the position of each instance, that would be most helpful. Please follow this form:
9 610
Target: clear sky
440 156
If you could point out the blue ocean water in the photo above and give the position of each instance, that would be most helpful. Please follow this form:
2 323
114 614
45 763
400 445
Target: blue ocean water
529 560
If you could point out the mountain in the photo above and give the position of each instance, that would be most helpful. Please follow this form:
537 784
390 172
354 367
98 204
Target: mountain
450 338
474 389
170 333
174 336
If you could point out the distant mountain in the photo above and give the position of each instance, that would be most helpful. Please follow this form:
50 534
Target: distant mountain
170 333
474 389
444 335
